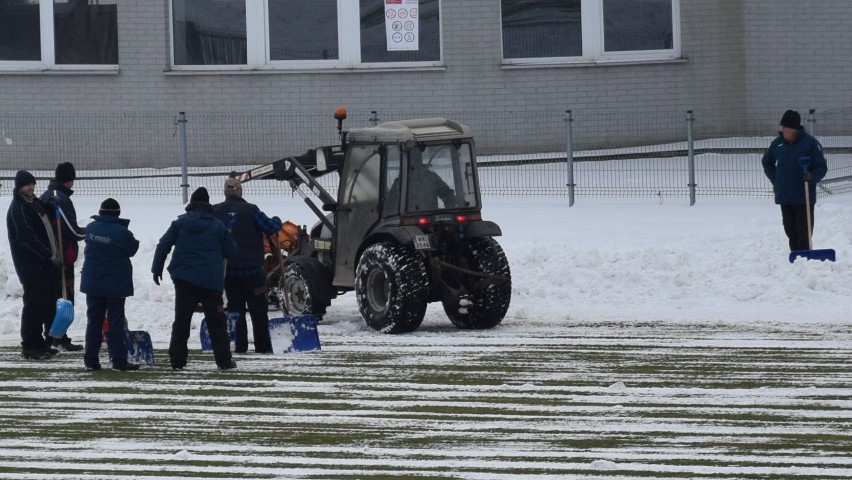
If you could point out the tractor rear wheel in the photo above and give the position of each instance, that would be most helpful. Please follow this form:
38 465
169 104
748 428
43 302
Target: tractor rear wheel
392 288
485 303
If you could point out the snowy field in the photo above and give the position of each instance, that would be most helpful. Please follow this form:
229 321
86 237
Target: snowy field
644 340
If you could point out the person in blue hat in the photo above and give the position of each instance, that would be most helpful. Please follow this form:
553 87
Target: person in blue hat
37 259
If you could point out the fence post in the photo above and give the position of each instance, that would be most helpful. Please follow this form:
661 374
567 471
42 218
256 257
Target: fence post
690 148
812 122
374 118
184 161
569 155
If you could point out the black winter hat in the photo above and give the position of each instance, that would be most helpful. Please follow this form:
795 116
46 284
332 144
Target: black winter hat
200 195
22 178
110 207
65 172
791 119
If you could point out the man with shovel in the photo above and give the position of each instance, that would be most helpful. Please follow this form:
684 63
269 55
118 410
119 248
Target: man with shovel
37 259
793 158
58 196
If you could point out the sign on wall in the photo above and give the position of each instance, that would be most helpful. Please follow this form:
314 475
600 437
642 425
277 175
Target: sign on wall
401 24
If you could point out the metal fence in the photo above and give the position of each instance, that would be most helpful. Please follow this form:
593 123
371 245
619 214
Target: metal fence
611 153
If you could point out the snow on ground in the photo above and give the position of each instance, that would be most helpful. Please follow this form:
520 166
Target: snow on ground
625 261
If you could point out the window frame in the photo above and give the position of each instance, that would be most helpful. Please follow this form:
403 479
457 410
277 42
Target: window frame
592 25
48 49
348 39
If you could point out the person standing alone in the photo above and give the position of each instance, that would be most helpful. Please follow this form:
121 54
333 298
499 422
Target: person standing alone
794 157
37 259
58 195
245 282
107 280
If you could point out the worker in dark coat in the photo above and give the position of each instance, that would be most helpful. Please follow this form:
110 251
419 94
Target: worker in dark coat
37 259
783 165
245 282
201 244
58 196
107 281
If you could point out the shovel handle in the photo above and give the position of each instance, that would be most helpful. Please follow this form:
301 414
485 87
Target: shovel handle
58 213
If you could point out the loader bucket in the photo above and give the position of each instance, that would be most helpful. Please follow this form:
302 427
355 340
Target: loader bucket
287 237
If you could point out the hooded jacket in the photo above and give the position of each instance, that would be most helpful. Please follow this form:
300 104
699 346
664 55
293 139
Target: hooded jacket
201 243
107 271
781 165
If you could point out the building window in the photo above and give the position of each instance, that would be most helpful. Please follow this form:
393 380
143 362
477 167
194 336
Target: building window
566 31
297 34
39 34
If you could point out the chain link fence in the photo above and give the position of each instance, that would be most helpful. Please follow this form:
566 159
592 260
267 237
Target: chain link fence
611 153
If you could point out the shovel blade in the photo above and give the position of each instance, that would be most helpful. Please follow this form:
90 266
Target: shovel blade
294 334
821 255
204 333
62 320
140 350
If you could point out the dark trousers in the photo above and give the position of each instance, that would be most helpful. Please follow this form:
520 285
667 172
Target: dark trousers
794 218
251 291
38 312
187 296
97 307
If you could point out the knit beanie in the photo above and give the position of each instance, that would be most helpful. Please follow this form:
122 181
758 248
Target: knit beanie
65 172
791 119
200 195
22 178
110 207
233 188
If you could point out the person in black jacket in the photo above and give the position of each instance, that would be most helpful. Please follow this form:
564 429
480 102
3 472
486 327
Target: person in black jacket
58 196
37 259
201 243
782 164
245 282
107 281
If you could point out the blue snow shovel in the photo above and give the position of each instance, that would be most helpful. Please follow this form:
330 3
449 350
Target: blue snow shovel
810 253
291 333
64 308
140 350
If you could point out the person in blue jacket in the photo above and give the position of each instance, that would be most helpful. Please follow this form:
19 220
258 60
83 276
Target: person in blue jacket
783 164
201 244
245 282
107 281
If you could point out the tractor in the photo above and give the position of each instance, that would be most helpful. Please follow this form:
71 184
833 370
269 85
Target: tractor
405 229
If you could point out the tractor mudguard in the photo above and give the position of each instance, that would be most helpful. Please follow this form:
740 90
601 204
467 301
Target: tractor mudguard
319 275
482 228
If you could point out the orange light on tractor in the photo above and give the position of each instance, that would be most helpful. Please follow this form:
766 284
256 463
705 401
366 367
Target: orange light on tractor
340 113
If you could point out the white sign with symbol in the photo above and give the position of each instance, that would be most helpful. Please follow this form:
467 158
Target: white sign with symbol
401 24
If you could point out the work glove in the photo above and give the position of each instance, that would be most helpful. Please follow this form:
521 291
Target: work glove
55 261
157 278
806 176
